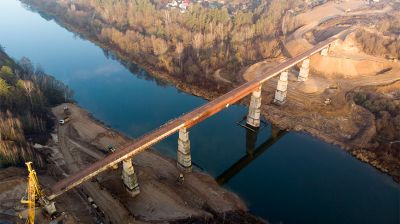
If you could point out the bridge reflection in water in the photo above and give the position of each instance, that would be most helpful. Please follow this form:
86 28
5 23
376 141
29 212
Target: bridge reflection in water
252 152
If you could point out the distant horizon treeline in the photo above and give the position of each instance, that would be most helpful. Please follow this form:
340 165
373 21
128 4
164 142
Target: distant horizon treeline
192 46
26 95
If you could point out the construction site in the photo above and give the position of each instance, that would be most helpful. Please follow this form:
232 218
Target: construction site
156 190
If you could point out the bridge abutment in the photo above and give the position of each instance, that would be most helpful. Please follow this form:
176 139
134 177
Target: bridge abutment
184 156
48 206
281 89
129 177
253 118
304 70
325 51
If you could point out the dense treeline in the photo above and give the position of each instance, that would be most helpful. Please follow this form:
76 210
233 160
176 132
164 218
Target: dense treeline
386 41
26 93
376 44
191 46
384 152
387 118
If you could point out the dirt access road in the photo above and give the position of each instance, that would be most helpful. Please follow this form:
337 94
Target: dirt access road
114 211
162 197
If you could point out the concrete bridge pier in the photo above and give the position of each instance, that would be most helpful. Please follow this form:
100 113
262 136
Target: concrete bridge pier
129 177
253 118
184 156
304 70
281 89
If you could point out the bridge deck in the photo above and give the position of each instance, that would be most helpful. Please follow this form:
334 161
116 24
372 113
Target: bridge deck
188 120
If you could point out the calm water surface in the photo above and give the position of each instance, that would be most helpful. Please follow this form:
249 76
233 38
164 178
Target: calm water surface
296 180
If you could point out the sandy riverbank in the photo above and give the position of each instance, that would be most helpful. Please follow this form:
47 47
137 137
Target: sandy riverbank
162 197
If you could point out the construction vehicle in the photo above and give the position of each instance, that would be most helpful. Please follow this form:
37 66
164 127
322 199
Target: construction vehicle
64 121
34 195
111 149
327 101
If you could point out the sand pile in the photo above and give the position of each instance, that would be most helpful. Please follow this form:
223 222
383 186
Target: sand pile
314 84
347 60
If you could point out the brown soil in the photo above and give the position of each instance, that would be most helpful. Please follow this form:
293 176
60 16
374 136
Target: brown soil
162 197
13 183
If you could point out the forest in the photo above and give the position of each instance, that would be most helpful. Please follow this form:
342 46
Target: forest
191 46
26 95
384 40
387 120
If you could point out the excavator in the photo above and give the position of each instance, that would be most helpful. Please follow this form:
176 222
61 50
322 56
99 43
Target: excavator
35 194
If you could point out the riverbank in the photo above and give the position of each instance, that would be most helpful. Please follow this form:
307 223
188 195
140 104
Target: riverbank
208 89
163 198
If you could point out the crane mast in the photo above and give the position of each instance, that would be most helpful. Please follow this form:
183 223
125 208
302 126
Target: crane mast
35 194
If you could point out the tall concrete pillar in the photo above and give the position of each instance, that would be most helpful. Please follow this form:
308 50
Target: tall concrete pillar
281 89
325 51
129 177
304 71
184 156
253 118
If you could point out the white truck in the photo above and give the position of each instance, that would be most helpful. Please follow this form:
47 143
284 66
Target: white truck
64 121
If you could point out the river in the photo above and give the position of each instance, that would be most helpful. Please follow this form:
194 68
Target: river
298 179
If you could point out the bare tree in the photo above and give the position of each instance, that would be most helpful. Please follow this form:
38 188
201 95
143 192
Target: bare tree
197 42
179 50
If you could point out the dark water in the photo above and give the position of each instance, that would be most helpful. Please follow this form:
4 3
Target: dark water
298 179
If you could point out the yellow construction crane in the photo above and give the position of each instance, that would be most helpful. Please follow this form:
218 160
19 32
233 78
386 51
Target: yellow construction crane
34 192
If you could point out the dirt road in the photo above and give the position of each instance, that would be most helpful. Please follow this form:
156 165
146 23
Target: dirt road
115 212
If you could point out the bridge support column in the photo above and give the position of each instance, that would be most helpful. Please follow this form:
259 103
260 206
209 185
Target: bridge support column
184 156
281 89
304 71
253 118
129 177
325 51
